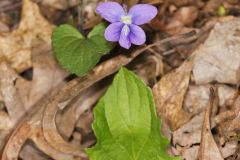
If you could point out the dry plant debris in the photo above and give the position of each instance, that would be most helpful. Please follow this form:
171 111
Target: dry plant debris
208 147
169 94
191 61
32 31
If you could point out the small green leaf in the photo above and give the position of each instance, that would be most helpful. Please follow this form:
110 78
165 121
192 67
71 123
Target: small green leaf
77 53
97 37
98 30
126 124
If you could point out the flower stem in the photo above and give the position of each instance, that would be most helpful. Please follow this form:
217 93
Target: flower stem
80 19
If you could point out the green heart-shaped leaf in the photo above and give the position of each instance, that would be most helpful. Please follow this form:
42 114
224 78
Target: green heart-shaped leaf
77 53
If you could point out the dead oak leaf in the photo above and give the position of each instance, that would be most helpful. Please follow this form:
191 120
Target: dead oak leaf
169 94
33 30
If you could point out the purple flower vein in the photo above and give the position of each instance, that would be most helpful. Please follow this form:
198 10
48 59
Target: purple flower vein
124 25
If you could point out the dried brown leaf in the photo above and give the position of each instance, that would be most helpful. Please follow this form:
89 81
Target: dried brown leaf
229 149
9 92
228 121
187 153
197 97
218 58
190 133
47 74
169 94
33 30
208 147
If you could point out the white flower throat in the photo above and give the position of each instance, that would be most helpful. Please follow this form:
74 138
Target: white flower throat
126 19
125 30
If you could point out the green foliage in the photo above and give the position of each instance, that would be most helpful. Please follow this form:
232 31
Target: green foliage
77 53
126 124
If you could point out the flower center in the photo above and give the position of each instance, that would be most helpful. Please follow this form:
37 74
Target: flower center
126 19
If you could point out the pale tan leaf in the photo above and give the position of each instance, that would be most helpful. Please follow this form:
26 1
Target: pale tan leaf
189 133
218 59
9 92
169 94
229 148
33 30
197 97
47 74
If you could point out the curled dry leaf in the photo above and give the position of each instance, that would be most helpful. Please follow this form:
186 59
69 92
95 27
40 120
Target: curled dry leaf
69 117
208 147
218 58
169 94
32 31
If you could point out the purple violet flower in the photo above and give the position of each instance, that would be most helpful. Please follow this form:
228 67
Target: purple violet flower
124 27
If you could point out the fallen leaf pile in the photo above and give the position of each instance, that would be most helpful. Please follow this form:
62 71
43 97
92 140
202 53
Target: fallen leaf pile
191 61
186 106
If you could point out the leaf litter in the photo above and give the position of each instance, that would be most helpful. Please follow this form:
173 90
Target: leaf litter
46 113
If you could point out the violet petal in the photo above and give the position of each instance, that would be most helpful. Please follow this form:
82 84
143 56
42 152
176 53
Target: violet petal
124 40
110 11
142 13
137 35
113 31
